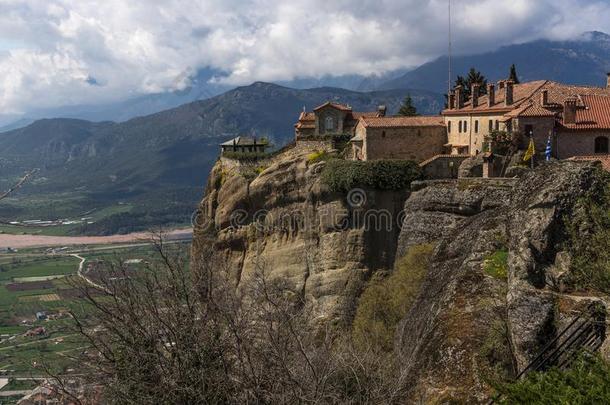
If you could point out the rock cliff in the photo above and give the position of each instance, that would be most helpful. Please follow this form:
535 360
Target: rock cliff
286 222
470 321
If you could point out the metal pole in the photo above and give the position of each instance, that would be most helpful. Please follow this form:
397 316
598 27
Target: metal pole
450 50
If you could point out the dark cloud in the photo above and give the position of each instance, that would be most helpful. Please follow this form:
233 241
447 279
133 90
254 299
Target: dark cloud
145 46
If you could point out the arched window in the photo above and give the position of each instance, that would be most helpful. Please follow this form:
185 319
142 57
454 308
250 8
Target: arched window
448 127
329 124
601 144
476 127
460 127
465 126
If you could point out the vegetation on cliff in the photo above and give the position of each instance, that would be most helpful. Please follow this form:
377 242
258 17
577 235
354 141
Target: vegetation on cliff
586 382
385 302
344 175
589 238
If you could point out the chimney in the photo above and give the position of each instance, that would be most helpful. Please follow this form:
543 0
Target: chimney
475 94
452 100
508 93
381 111
459 97
544 97
491 95
569 111
608 80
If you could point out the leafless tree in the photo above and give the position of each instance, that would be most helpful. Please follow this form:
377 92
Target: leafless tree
169 334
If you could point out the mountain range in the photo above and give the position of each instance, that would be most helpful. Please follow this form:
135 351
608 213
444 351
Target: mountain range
162 159
584 60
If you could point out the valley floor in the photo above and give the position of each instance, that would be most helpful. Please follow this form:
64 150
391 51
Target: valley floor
29 241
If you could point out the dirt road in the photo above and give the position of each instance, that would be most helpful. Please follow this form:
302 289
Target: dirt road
26 241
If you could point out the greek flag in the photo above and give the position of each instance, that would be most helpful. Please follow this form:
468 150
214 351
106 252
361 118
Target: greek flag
547 151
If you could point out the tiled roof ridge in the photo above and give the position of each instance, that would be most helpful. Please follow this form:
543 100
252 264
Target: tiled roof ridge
443 155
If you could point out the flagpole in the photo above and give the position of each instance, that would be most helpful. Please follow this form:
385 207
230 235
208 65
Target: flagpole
533 154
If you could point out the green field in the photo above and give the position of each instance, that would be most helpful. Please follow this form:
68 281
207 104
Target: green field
37 267
93 215
21 356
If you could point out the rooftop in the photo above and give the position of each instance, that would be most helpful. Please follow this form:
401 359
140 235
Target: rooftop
403 122
603 159
594 113
244 141
530 92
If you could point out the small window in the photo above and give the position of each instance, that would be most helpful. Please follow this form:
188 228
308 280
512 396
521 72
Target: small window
476 127
329 124
449 127
465 126
497 125
383 134
601 144
460 128
509 125
529 130
491 125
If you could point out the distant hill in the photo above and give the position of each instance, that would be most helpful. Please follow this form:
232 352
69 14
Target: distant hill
171 152
201 87
585 60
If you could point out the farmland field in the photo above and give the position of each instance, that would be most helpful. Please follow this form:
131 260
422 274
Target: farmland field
36 280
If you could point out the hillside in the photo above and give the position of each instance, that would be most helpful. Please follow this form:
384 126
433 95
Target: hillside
585 60
162 160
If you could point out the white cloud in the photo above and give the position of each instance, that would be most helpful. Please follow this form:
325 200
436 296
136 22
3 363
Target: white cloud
62 52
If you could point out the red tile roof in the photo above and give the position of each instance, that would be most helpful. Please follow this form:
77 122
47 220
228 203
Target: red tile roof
531 110
594 113
357 115
521 92
444 156
531 92
403 122
603 159
338 106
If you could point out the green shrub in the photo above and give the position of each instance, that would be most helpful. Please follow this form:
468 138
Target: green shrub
496 264
589 239
317 156
344 175
586 382
385 302
500 142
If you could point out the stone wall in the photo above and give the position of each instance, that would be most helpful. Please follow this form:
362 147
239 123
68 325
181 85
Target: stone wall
581 143
474 139
442 166
414 143
542 128
314 143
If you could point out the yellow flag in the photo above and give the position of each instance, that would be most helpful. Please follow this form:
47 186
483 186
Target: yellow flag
531 151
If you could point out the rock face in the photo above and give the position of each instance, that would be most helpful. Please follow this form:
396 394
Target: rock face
320 243
468 322
464 317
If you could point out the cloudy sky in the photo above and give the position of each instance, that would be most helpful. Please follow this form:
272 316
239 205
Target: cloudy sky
63 52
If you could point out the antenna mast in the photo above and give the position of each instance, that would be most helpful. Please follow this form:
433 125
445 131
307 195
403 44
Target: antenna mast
449 32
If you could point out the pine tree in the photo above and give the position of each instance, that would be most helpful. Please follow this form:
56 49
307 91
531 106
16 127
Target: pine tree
408 109
513 74
474 76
